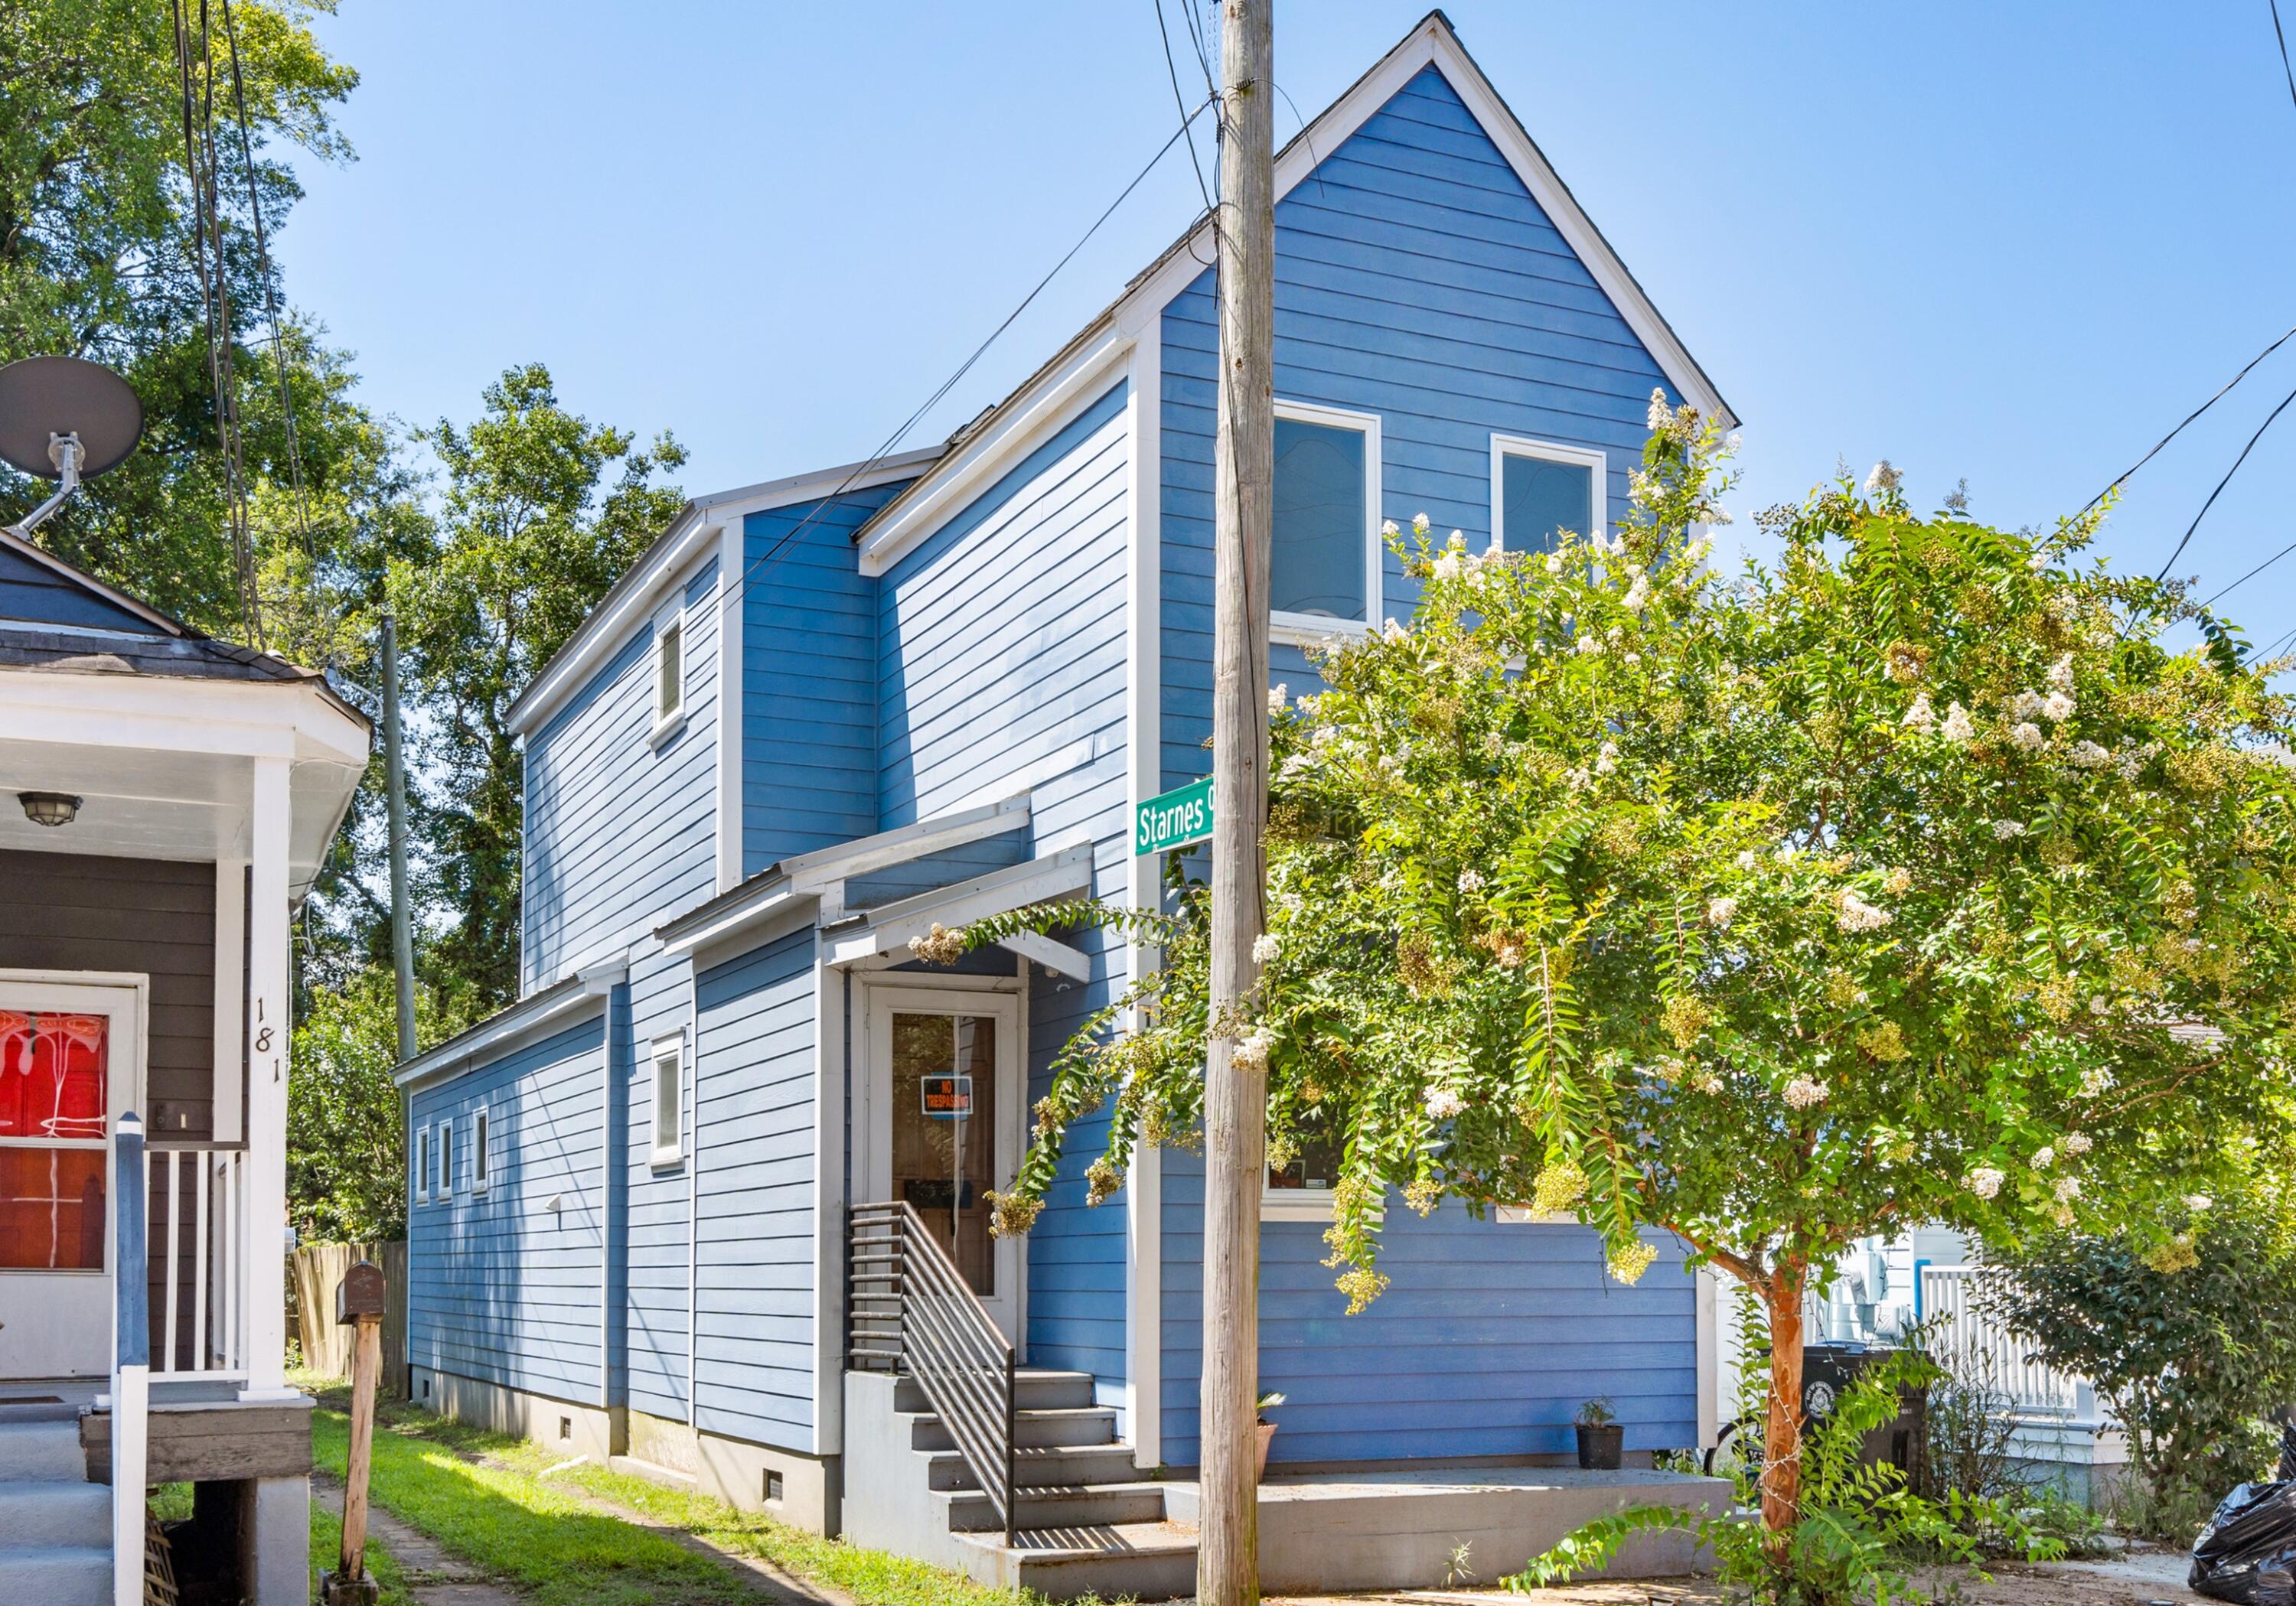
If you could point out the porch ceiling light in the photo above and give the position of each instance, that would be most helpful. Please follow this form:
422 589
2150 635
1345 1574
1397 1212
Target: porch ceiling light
49 808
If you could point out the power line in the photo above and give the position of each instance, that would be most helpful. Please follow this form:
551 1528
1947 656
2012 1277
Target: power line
2285 71
270 289
2189 417
772 553
2227 480
2252 573
1179 102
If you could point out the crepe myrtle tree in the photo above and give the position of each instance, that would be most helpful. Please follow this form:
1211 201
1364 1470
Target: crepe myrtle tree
1881 886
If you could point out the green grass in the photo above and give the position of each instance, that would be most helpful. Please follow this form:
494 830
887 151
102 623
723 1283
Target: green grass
480 1495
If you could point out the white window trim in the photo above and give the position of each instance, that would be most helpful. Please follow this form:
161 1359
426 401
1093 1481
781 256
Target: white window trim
1295 1204
1305 629
442 1147
1504 446
661 1156
669 722
1521 1215
422 1165
481 1134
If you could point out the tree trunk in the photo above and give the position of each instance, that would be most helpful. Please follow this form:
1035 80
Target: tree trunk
1782 1434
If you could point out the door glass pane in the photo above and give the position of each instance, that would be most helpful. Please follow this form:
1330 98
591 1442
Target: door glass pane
51 1074
945 1132
1321 521
1541 497
50 1208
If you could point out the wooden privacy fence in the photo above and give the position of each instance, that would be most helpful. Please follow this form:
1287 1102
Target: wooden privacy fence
314 1271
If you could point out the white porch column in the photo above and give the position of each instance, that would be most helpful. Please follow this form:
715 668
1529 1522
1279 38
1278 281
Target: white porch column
265 1218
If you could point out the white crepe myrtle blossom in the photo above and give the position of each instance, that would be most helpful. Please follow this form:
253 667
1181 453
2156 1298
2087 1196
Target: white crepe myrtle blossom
1660 415
2026 704
1420 523
1471 880
1693 555
1390 530
1395 632
2068 1188
2027 736
1579 780
1252 1054
1801 1093
1720 912
1446 567
2096 1081
2005 830
1746 860
1554 562
1444 1102
1278 695
1956 727
2087 755
2044 1157
1921 716
1985 1182
1854 914
1589 646
1606 759
2058 706
2060 672
1638 594
2078 1144
1885 476
2198 1201
1264 947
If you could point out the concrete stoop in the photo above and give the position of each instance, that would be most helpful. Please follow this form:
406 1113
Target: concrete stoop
1088 1523
55 1527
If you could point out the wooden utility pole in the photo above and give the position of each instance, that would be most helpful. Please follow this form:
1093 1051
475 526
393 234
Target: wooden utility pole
1235 1087
394 768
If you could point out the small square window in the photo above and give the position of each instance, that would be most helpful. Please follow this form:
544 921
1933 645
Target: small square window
670 672
1301 1191
1327 555
773 1485
479 1153
668 1102
1538 487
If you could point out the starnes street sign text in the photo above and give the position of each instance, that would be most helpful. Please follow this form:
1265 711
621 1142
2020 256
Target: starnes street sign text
1177 818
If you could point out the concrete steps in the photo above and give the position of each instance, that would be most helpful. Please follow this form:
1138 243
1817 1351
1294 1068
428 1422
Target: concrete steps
55 1527
1089 1524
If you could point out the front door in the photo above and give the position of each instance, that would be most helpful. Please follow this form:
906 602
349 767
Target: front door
71 1065
945 1098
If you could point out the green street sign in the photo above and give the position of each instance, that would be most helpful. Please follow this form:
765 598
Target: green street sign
1178 818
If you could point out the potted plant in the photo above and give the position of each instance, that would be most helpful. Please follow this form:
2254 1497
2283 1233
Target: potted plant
1602 1437
1267 1402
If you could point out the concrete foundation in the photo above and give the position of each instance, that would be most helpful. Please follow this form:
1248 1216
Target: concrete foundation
274 1541
1424 1528
795 1487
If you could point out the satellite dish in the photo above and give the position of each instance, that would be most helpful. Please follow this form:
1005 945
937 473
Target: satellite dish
47 402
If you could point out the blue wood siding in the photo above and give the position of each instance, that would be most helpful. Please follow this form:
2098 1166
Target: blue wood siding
657 1265
808 679
1489 1338
621 833
754 1151
1415 278
499 1288
1001 649
31 592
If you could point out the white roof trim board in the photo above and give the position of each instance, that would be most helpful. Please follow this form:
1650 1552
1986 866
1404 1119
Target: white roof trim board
1045 401
692 532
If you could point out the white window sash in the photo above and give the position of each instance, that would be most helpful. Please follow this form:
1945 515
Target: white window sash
1302 629
1504 446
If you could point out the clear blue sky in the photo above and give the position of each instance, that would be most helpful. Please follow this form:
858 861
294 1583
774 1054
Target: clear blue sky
2013 243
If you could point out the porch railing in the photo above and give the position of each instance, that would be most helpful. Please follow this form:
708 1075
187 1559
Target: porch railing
909 1310
1973 1344
199 1186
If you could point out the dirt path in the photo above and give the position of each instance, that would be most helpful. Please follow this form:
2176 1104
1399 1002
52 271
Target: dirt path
433 1576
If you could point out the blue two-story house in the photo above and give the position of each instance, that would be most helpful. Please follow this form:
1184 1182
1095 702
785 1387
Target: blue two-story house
824 714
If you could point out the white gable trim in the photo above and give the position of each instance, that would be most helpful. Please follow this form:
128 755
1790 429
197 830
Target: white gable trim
696 529
1023 422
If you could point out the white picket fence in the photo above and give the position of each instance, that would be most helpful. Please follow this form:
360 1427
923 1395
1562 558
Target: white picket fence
1975 1345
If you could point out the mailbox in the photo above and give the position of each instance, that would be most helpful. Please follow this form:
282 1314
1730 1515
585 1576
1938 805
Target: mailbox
360 1293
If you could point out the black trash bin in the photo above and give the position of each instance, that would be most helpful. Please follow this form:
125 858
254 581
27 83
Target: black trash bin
1829 1371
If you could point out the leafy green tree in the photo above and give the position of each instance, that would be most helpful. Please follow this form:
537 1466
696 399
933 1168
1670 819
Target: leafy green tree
1772 912
2191 1341
345 1165
542 510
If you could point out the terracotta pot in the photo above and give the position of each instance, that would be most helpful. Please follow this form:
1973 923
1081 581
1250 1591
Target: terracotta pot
1266 1432
1601 1449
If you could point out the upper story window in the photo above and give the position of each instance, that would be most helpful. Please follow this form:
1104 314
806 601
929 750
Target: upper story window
1538 487
423 1164
1327 554
668 1102
479 1151
668 674
445 1159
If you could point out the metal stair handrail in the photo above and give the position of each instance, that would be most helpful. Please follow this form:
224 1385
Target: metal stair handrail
911 1310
